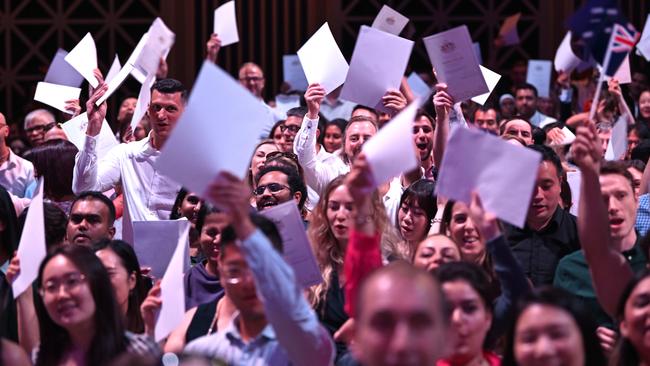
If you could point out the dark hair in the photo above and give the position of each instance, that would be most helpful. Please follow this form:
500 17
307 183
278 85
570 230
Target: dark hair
275 127
502 127
618 168
422 191
55 223
640 130
422 113
54 161
205 210
625 353
539 136
129 261
295 181
266 226
170 86
340 123
471 273
10 236
108 340
635 164
525 86
549 155
641 151
371 110
561 299
297 112
97 196
178 202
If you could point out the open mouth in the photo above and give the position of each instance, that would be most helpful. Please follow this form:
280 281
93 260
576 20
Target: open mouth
422 146
616 222
268 203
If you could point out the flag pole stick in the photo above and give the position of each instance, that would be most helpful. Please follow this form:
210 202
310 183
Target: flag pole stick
601 78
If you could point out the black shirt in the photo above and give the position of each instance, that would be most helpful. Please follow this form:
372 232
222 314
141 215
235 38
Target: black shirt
539 252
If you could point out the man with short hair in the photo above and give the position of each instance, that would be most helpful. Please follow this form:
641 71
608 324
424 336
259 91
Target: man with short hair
16 173
485 118
519 128
291 126
278 184
91 219
38 122
148 194
550 232
252 78
385 331
526 104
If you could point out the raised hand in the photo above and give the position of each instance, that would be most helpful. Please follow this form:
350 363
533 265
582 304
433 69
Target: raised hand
13 270
150 307
73 106
555 136
587 151
96 114
231 194
163 69
314 96
484 221
394 101
213 46
442 102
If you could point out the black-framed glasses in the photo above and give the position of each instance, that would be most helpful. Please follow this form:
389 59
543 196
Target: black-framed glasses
273 188
292 128
41 128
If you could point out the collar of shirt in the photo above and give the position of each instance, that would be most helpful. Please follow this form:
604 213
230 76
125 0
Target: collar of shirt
233 334
335 103
145 148
12 161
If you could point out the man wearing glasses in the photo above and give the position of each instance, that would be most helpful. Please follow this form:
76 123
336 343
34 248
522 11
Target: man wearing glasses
252 78
37 123
278 184
16 173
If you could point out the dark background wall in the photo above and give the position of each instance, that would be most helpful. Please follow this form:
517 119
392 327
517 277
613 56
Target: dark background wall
31 31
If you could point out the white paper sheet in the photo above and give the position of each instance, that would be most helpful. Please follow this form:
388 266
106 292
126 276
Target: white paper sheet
285 102
56 95
373 71
75 129
154 243
503 174
115 68
539 75
491 79
574 178
569 137
418 86
392 151
390 21
297 249
115 83
643 46
617 145
508 30
83 58
623 74
452 56
159 41
61 73
172 291
565 59
202 143
144 98
225 24
31 249
322 60
293 73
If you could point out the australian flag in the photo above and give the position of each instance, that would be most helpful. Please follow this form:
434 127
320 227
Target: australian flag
592 28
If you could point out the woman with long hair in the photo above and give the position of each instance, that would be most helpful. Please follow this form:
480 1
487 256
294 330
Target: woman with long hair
417 209
79 320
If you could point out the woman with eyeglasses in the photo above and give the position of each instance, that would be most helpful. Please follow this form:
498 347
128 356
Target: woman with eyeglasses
79 320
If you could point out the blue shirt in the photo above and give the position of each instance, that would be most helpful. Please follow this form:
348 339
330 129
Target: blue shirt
643 215
293 336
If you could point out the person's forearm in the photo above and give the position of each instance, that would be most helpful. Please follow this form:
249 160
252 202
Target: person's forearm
362 256
304 144
28 332
440 139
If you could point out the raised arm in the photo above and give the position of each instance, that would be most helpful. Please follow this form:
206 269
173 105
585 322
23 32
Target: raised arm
212 48
442 102
615 89
293 320
593 224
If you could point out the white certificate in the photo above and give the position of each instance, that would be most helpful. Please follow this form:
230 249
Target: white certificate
390 21
225 24
539 75
322 60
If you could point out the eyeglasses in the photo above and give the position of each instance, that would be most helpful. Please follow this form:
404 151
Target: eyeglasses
41 128
254 79
236 275
69 282
292 128
273 187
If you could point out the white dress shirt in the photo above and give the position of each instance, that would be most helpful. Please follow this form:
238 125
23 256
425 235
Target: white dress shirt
16 174
318 172
148 194
540 120
337 109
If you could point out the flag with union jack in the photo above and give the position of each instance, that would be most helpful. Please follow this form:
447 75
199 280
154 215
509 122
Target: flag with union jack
622 41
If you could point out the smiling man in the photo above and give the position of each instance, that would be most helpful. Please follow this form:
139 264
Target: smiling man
148 194
278 184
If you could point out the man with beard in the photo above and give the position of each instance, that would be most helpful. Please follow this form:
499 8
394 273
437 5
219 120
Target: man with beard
526 104
91 219
278 184
148 194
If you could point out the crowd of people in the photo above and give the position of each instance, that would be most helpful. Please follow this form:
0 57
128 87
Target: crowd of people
408 277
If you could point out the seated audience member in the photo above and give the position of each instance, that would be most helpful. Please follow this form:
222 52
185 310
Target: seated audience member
526 104
360 110
434 251
277 328
81 324
92 216
142 129
276 133
278 184
130 286
38 122
252 78
518 128
54 161
550 327
550 232
332 139
486 119
635 168
16 173
632 348
122 125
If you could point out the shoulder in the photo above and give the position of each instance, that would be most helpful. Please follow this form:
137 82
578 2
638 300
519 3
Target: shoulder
12 354
205 345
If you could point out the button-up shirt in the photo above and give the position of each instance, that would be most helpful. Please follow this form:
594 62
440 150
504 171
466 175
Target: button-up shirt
539 252
293 336
16 174
148 194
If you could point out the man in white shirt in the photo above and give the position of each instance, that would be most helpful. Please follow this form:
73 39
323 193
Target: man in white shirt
526 104
148 194
16 173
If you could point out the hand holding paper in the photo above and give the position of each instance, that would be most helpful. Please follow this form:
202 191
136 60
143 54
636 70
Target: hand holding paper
56 95
587 150
213 46
96 114
314 97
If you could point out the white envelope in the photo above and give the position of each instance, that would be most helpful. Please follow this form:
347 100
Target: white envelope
452 56
539 75
390 21
392 150
154 243
297 249
508 30
565 59
83 58
293 72
75 129
491 79
322 60
225 24
31 249
56 95
503 174
202 143
61 73
172 290
373 71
